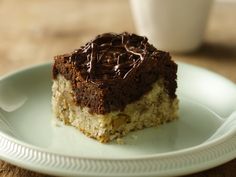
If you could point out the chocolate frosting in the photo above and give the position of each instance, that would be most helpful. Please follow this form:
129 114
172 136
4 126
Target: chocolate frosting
114 70
110 56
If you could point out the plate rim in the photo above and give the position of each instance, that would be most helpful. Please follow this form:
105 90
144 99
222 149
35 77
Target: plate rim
192 159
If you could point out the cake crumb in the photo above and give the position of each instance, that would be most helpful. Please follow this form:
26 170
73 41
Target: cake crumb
56 122
57 125
135 137
120 141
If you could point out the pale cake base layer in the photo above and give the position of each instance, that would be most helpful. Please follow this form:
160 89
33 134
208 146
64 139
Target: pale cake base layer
153 109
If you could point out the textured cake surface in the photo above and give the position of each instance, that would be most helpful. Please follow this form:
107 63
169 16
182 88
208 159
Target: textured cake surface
114 70
114 84
152 109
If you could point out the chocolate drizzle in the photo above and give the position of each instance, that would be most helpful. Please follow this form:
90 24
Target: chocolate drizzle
110 56
114 70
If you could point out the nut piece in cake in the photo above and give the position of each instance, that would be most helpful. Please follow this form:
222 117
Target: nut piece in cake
114 84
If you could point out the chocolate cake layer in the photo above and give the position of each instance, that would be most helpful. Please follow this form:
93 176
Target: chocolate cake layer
114 70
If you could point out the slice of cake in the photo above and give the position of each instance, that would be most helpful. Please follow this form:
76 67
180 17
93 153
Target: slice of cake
114 84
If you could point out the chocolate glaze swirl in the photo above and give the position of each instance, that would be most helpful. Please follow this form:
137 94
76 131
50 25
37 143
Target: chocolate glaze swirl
114 70
110 56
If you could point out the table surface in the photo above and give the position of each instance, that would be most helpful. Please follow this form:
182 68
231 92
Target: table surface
32 32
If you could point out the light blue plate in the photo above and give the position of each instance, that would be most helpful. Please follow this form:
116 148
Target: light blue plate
203 137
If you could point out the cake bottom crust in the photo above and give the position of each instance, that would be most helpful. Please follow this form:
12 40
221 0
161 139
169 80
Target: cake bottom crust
152 109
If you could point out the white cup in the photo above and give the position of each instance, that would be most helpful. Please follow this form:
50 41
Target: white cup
172 25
